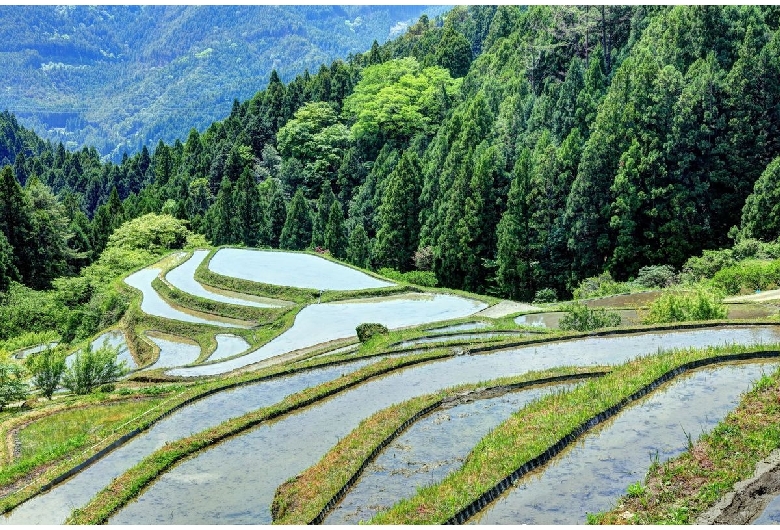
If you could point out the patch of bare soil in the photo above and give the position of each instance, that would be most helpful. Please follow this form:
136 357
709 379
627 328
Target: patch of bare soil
749 498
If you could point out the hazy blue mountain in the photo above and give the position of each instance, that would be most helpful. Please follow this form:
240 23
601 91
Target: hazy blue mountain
117 77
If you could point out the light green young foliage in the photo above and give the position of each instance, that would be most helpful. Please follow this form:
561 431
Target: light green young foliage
397 99
46 368
12 385
91 368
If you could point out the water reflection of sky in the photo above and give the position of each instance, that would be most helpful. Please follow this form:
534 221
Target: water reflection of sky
235 481
320 323
152 304
183 278
290 269
590 475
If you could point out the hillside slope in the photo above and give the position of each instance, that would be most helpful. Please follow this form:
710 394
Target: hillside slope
116 77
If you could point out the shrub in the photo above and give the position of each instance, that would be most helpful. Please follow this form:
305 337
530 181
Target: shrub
580 317
702 267
152 232
12 385
656 276
423 278
367 330
751 274
682 306
92 368
545 296
602 285
46 368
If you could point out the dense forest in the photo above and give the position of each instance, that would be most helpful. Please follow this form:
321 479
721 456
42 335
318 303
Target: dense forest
116 77
504 150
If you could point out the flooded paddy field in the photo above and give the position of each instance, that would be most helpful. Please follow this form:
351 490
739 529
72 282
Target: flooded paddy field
291 269
174 351
153 304
55 505
235 481
428 451
320 323
591 474
116 338
459 337
183 278
228 346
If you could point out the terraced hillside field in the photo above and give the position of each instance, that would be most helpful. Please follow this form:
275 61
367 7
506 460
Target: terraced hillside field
254 396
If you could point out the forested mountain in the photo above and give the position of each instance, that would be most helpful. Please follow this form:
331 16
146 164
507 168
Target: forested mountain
117 77
507 150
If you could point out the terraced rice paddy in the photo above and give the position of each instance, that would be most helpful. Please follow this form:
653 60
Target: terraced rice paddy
291 269
427 452
183 278
234 481
589 476
231 492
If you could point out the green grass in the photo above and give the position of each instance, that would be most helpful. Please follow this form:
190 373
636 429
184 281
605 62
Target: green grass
129 484
55 432
681 489
300 500
531 431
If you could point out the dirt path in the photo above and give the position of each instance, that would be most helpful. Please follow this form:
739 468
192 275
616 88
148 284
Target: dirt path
749 498
504 308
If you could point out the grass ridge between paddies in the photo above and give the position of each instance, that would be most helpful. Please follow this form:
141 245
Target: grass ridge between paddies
132 482
539 426
301 499
185 394
683 488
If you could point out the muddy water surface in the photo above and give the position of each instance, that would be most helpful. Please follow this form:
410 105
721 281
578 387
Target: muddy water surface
183 278
234 482
54 506
320 323
427 452
551 320
592 473
290 269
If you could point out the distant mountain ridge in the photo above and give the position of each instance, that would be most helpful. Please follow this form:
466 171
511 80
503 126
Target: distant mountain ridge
118 77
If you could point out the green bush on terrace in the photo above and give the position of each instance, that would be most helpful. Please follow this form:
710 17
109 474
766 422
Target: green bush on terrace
751 275
602 285
683 306
580 317
369 329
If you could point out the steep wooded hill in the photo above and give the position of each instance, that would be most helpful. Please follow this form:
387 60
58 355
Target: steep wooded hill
117 77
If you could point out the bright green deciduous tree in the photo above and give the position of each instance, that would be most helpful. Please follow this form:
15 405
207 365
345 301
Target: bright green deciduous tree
47 368
92 368
12 385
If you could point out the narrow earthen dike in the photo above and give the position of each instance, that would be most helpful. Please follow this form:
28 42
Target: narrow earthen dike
750 497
